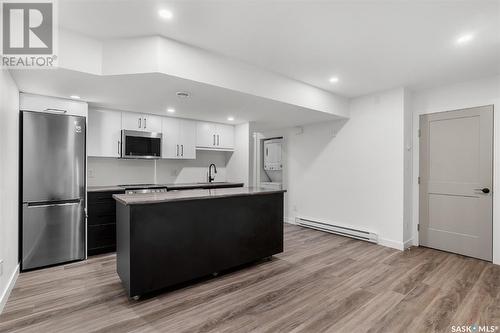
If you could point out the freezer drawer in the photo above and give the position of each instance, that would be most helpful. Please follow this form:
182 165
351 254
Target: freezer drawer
52 233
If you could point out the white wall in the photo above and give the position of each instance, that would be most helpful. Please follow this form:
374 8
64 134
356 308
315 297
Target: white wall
162 55
192 171
457 96
238 164
111 171
351 172
9 177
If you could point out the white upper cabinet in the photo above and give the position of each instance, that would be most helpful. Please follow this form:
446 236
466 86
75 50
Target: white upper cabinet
132 121
214 136
187 138
151 123
38 103
104 133
205 135
225 138
179 138
170 135
141 122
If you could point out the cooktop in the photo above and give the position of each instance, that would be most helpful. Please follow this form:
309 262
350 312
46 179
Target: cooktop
131 186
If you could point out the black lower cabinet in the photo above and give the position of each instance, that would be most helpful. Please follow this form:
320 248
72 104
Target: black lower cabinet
163 244
101 222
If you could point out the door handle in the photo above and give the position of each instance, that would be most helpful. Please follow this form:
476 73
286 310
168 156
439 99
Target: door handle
484 190
144 123
140 122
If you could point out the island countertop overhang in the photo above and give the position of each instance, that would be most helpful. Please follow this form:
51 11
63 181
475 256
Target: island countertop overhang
185 195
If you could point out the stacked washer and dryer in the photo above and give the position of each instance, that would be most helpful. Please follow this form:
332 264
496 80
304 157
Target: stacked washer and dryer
272 177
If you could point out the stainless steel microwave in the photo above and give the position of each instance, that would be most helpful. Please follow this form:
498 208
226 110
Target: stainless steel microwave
138 144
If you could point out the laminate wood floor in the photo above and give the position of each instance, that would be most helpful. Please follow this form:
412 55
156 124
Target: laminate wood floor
321 283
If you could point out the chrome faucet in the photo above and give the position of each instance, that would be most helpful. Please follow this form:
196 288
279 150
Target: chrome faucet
210 178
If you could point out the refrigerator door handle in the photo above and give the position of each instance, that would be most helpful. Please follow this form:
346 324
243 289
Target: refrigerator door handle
54 205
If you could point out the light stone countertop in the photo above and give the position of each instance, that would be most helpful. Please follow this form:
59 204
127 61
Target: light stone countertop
151 198
170 187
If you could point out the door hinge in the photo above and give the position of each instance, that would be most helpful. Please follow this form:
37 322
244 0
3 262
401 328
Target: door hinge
418 180
418 227
419 133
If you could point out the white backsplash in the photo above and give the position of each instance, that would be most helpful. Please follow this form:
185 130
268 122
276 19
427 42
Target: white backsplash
113 171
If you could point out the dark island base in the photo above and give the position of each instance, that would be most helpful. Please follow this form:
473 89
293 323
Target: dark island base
161 245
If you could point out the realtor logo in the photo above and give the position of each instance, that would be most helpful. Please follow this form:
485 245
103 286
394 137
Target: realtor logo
28 31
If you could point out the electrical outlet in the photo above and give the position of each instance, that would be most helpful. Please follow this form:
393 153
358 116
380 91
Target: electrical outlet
1 267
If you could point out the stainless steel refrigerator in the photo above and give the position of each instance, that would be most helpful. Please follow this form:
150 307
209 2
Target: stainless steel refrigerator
53 189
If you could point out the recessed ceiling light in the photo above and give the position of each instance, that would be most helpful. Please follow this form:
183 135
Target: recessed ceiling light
171 110
165 14
75 96
464 39
230 118
334 79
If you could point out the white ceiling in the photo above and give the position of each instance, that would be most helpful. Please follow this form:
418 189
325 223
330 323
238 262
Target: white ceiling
153 93
370 45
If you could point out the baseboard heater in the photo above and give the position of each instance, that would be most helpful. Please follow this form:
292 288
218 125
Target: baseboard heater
337 229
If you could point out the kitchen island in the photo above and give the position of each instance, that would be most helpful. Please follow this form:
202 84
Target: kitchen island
164 239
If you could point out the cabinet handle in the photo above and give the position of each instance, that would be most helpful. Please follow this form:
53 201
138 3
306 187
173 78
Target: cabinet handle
144 123
177 154
217 139
140 122
182 150
214 139
55 110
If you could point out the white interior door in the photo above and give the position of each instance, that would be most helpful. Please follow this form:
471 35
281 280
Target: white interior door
456 181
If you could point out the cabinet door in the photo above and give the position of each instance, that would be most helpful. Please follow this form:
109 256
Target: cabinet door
151 123
29 102
170 145
104 129
187 138
225 136
132 121
206 135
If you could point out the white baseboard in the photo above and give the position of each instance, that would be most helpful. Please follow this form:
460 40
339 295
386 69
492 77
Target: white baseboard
289 220
10 285
392 244
408 243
